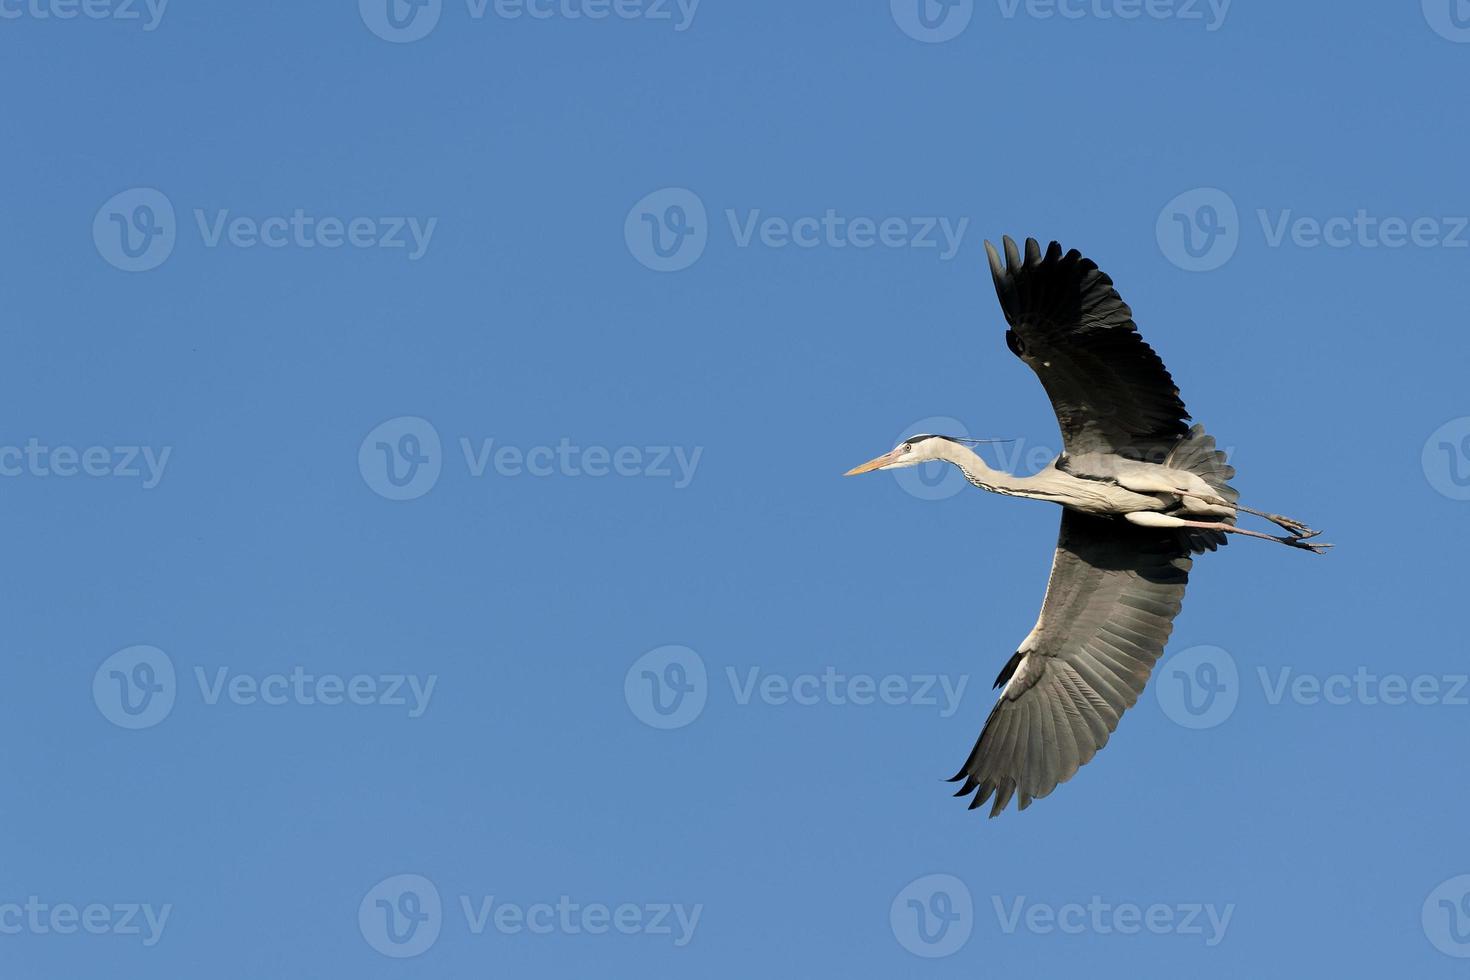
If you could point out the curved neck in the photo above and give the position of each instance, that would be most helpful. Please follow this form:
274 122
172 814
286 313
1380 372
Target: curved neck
978 473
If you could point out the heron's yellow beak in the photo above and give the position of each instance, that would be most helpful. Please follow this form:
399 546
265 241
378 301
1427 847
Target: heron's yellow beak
871 465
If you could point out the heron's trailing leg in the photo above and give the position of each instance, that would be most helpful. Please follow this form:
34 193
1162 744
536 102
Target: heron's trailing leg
1295 528
1150 519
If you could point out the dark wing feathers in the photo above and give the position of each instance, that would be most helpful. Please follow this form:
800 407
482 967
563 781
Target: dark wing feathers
1110 391
1110 605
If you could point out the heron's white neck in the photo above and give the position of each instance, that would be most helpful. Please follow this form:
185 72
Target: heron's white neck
978 473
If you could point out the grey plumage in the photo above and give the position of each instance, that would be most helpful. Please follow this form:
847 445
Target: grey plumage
1141 492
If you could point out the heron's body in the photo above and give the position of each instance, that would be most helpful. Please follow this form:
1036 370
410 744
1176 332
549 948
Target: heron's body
1097 484
1141 493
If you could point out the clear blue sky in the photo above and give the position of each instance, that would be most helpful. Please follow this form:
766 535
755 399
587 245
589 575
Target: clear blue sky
719 376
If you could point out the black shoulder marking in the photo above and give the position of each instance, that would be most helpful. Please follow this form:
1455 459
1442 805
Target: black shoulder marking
1014 343
1009 668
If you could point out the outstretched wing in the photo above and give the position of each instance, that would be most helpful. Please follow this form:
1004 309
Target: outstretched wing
1110 391
1115 589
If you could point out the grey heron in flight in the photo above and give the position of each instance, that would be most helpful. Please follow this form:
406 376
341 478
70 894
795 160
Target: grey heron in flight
1141 493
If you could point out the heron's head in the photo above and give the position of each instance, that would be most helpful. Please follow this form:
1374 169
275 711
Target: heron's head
910 452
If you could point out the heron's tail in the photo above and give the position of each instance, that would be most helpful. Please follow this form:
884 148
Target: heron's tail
1197 454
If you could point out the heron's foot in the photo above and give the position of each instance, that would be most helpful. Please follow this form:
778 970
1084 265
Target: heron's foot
1293 527
1302 542
1296 528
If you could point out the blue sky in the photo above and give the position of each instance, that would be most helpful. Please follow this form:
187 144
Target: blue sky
419 450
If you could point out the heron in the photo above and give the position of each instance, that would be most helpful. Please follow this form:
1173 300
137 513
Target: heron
1141 491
